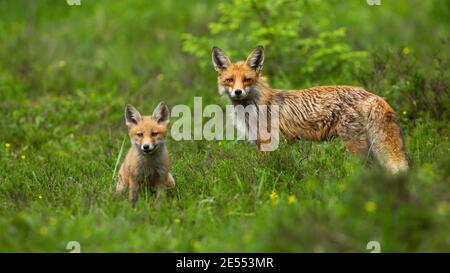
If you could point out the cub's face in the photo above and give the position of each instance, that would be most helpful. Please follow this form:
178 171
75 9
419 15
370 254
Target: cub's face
147 133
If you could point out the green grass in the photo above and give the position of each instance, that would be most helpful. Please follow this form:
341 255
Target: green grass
66 74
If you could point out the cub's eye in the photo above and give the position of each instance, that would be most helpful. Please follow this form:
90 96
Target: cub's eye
140 134
229 80
155 134
247 80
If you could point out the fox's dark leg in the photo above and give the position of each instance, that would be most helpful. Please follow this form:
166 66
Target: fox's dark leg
133 193
260 144
351 130
357 144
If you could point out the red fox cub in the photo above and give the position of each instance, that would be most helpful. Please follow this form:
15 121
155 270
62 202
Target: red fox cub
364 121
147 161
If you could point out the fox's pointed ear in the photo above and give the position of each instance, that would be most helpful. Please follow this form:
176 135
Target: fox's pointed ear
256 59
219 59
132 116
161 113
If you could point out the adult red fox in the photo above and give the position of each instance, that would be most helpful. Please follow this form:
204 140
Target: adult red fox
364 121
147 161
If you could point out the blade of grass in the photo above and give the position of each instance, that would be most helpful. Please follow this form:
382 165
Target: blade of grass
261 184
119 156
239 182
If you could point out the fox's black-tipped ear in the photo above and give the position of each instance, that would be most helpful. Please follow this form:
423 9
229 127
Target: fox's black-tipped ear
161 113
256 59
219 59
132 116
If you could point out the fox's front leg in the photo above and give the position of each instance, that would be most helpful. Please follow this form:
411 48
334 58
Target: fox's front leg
122 184
167 183
133 193
261 143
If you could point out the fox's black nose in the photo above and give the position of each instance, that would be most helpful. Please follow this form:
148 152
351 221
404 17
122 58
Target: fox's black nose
238 92
146 147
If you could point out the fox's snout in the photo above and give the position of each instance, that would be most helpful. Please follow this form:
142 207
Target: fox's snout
238 93
149 147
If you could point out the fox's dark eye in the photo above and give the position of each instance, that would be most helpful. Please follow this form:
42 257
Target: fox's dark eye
247 80
229 80
155 134
140 134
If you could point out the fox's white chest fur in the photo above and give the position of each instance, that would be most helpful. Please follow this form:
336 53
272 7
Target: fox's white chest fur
245 121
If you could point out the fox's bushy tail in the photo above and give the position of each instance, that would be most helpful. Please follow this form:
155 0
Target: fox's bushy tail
385 137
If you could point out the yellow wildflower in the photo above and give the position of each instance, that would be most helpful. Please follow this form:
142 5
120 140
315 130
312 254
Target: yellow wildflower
160 77
62 63
292 199
442 208
273 197
43 231
52 221
370 206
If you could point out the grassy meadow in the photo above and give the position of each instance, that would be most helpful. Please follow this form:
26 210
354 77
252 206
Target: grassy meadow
66 73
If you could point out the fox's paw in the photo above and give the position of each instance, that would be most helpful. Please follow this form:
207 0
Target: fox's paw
170 181
133 200
120 187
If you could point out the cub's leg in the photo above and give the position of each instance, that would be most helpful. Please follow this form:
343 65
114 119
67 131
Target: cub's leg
166 183
170 181
122 184
133 193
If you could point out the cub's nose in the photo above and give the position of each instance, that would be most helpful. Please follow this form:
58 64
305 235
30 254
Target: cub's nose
238 92
146 147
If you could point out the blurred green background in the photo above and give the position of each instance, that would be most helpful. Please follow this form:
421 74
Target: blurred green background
66 73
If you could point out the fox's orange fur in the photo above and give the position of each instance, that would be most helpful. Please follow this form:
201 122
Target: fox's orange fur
147 161
364 121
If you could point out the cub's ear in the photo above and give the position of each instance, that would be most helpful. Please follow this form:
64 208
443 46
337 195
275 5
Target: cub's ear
161 113
219 59
256 59
132 116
